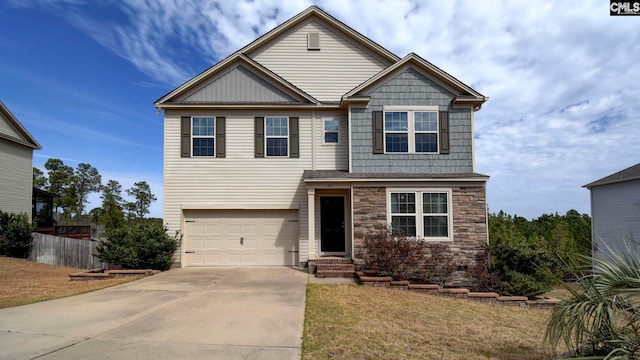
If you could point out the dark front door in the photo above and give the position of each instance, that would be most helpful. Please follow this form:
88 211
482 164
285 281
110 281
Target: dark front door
332 224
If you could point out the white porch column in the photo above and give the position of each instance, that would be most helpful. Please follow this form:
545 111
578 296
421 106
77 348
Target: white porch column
311 222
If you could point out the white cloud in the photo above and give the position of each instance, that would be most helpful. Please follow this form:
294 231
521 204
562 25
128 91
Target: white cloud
561 76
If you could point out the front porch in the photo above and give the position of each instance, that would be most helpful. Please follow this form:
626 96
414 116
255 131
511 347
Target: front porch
332 267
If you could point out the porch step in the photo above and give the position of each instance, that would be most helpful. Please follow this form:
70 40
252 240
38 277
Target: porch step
330 267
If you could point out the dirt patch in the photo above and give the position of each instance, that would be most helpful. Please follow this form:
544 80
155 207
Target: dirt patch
24 282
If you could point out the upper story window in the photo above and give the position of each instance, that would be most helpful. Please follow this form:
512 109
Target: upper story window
203 136
277 136
423 213
331 129
411 131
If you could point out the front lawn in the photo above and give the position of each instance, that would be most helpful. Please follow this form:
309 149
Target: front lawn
361 322
24 282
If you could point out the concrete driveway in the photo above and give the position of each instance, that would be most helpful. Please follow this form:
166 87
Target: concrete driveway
200 313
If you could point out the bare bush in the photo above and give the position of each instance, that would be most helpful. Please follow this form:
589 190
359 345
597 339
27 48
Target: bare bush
391 253
484 278
440 264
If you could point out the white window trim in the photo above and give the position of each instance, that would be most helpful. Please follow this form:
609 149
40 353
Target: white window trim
411 130
419 208
204 137
337 131
276 137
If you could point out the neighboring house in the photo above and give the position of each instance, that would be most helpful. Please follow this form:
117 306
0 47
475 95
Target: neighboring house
297 145
615 211
16 167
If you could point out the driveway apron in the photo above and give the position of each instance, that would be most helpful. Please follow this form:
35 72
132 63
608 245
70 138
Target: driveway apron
194 313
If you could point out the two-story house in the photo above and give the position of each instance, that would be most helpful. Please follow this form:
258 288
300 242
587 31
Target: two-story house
297 145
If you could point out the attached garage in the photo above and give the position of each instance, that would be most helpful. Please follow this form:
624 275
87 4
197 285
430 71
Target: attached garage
240 237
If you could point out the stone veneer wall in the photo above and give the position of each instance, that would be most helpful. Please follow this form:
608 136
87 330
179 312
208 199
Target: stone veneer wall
469 225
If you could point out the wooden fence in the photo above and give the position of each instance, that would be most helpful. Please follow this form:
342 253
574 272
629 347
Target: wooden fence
55 250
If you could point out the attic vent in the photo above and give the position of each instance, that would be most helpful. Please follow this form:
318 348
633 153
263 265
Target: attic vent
313 41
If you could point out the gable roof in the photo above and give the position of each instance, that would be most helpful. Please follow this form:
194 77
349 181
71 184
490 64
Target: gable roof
314 11
628 174
26 139
239 55
466 95
169 99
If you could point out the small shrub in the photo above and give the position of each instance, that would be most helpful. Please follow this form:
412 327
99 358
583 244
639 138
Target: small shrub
15 234
440 264
526 265
139 247
391 253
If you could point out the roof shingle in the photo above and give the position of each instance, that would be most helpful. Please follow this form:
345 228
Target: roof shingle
628 174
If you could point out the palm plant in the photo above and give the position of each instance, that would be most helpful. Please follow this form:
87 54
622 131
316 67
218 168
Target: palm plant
603 320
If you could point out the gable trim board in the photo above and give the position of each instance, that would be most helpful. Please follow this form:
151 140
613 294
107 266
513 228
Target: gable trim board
629 174
238 84
27 139
464 93
221 68
328 19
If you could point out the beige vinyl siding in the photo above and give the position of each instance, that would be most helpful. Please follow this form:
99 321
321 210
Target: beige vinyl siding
326 74
7 128
331 156
238 181
15 177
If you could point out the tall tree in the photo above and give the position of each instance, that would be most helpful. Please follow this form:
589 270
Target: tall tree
39 180
580 227
60 180
144 197
86 180
112 205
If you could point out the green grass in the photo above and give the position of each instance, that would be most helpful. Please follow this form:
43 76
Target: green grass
359 322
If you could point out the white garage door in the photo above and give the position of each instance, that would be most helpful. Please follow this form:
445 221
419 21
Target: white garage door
241 237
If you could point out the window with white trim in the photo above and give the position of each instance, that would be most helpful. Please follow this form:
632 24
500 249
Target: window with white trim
203 136
277 136
424 213
411 131
331 129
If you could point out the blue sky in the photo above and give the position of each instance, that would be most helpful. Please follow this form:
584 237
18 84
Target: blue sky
562 77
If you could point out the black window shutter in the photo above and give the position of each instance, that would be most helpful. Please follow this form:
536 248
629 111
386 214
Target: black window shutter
378 133
258 143
444 132
294 138
221 143
185 136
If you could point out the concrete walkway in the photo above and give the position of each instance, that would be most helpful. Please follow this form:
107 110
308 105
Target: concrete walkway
200 313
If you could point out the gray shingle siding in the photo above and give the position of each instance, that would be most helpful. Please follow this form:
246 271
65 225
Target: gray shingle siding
412 89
